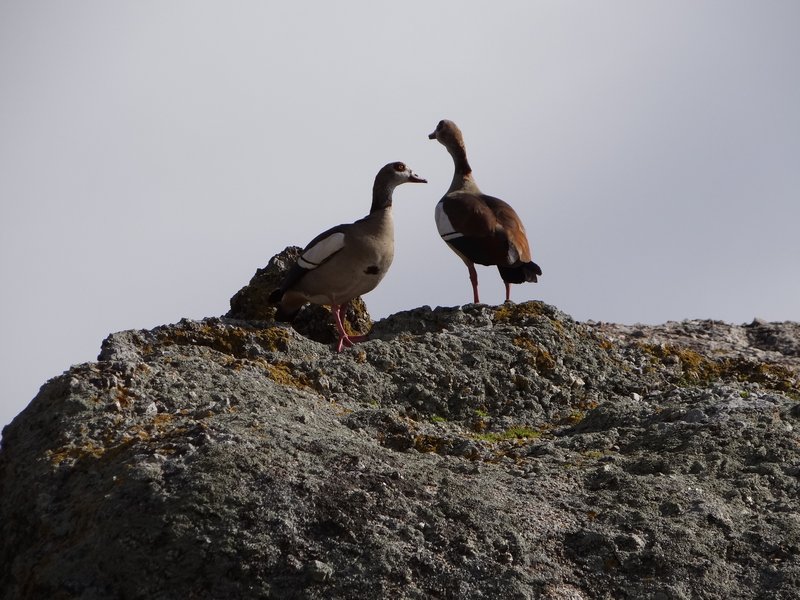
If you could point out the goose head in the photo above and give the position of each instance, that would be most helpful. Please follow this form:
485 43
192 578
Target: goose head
448 134
396 173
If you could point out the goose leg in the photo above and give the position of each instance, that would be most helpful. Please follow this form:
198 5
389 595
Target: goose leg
473 279
508 291
336 309
344 339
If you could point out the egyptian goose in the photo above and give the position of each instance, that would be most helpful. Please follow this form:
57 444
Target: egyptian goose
479 228
347 260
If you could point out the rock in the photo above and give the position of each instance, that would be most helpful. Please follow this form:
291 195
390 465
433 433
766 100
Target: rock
452 455
251 303
319 571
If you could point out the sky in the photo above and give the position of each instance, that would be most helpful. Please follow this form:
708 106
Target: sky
154 154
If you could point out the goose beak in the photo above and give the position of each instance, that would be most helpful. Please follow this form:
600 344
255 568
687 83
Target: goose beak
414 178
432 136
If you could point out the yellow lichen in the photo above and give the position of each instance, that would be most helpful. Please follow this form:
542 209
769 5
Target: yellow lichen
158 431
538 356
514 312
282 373
696 368
428 443
606 344
513 433
233 341
88 449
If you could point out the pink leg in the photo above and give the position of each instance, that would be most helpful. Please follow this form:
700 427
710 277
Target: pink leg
473 279
357 338
344 339
337 318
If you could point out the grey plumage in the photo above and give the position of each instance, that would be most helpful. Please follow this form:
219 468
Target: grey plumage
347 260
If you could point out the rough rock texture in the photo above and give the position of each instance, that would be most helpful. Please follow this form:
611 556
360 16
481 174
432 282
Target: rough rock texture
472 452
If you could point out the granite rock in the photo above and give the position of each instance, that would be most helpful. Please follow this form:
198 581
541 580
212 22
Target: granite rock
461 452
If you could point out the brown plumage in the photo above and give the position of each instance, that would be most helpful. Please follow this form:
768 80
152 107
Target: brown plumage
479 228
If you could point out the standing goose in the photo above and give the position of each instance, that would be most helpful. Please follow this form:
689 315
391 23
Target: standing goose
479 228
347 260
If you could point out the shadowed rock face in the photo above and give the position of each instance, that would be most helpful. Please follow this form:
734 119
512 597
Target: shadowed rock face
472 452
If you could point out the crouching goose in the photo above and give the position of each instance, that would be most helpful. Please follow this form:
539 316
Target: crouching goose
479 228
347 260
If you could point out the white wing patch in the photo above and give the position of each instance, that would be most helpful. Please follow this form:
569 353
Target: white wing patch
443 224
513 254
321 251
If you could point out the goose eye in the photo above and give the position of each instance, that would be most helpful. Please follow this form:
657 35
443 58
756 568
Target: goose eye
399 167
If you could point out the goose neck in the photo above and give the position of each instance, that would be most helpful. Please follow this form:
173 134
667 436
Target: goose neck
381 196
462 174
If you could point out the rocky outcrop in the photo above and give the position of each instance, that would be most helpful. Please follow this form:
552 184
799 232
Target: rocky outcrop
466 452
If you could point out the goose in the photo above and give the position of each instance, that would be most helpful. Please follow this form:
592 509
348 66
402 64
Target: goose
479 228
347 260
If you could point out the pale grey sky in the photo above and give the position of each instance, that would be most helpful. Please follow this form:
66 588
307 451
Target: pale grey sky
154 154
